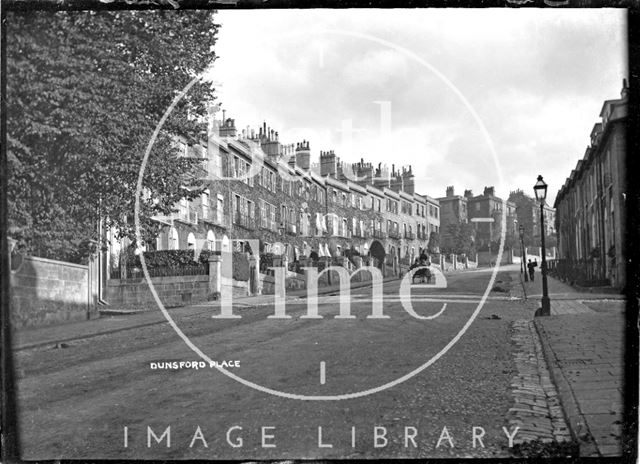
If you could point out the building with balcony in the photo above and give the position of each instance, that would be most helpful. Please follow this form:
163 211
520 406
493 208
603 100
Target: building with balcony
260 189
590 206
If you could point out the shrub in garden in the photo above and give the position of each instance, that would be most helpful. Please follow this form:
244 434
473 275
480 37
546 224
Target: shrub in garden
166 258
266 261
185 258
240 266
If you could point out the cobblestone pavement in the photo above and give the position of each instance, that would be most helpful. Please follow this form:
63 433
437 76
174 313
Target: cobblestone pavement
583 344
537 410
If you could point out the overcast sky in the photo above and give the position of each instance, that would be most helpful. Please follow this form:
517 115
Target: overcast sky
409 82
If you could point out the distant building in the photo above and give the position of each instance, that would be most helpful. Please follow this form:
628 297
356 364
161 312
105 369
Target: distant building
528 216
483 211
453 210
590 206
486 211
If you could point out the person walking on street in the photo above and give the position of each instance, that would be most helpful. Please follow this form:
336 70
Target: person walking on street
531 266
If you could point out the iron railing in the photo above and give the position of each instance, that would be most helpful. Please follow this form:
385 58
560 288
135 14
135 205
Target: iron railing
245 221
268 223
394 234
165 271
360 233
215 216
583 272
188 215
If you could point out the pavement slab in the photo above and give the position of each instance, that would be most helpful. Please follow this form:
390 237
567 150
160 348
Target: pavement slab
594 386
583 344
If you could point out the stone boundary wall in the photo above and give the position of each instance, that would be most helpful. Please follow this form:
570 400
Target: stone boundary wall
45 291
173 291
486 258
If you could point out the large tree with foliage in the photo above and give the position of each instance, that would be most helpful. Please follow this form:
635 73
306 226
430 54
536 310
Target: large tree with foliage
525 208
85 91
434 243
459 239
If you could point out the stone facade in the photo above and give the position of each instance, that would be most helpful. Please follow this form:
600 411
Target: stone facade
590 213
528 214
453 210
484 211
258 188
489 207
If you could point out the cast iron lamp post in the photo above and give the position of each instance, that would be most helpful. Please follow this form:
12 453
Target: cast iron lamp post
524 258
540 189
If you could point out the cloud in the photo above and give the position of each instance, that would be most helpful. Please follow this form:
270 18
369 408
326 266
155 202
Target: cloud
536 79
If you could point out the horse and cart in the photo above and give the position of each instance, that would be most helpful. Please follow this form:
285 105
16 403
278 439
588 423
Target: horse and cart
422 272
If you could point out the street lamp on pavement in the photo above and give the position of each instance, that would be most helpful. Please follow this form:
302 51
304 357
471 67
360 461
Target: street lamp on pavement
540 189
524 258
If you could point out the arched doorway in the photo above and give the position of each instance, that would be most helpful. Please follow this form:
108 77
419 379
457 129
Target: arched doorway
377 251
174 244
191 241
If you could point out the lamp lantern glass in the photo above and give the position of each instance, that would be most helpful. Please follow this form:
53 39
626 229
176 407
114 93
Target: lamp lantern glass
540 190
